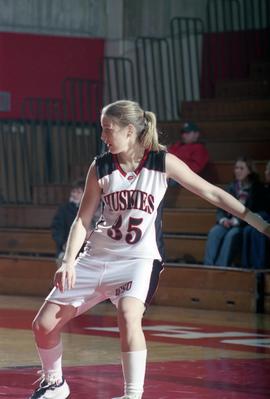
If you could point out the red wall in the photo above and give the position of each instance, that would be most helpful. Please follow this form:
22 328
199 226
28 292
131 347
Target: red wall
35 65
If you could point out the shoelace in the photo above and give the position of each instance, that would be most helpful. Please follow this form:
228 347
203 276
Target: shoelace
49 377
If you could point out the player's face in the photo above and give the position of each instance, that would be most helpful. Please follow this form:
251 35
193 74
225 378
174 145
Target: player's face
113 135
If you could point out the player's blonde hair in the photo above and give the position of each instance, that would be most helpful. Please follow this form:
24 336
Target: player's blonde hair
126 112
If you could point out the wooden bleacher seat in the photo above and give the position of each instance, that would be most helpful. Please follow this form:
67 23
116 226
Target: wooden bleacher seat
50 194
26 275
179 197
184 248
229 130
35 242
235 130
26 241
182 220
227 141
226 109
192 286
216 288
242 88
221 172
27 216
232 150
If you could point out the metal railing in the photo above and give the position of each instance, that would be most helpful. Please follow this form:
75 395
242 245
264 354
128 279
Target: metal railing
82 99
55 135
119 79
15 168
223 15
42 152
186 36
186 65
38 108
154 76
232 29
52 139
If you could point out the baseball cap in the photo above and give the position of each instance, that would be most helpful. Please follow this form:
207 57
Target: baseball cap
189 127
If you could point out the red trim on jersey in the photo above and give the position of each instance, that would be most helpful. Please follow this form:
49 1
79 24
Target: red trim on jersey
117 165
139 167
142 162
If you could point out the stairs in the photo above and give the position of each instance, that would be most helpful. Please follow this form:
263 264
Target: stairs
235 123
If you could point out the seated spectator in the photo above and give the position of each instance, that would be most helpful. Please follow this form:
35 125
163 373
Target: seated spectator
64 217
189 149
255 244
225 238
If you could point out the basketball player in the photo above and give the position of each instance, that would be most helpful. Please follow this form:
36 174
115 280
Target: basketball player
122 260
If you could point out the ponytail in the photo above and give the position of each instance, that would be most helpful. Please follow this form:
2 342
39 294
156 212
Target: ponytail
149 136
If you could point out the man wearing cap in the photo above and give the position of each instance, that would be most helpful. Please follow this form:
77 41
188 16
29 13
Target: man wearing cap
189 150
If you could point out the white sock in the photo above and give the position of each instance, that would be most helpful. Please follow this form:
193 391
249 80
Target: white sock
134 365
51 360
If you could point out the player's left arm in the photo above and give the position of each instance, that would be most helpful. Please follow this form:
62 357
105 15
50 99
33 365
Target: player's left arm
179 171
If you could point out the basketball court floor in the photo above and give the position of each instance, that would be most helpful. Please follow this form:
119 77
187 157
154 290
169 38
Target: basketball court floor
192 354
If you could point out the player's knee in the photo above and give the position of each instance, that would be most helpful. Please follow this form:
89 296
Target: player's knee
130 315
40 327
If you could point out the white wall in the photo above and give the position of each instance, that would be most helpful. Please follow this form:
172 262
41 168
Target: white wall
112 19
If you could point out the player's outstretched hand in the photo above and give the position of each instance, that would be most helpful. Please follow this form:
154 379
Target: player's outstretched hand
65 277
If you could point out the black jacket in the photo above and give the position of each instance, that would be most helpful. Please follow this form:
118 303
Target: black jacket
256 199
61 224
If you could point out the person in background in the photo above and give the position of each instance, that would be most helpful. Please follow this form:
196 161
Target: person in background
64 218
189 149
225 238
254 249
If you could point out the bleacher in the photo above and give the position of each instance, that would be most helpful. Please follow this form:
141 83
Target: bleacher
27 248
234 121
231 127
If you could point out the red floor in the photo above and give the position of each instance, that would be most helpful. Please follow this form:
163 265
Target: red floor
211 379
221 378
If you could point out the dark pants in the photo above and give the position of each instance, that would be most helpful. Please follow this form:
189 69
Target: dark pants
255 244
222 245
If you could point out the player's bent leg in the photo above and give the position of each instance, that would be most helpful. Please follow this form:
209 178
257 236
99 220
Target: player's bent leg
47 326
133 346
49 321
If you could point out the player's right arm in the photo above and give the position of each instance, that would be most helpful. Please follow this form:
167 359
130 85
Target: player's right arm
179 171
66 275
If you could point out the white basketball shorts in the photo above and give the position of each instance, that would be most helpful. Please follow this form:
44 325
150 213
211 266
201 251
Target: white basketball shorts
109 278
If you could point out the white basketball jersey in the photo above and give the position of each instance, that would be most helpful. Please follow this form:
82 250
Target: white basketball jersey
132 214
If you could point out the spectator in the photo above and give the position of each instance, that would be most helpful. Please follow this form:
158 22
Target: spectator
64 218
254 250
224 239
189 149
